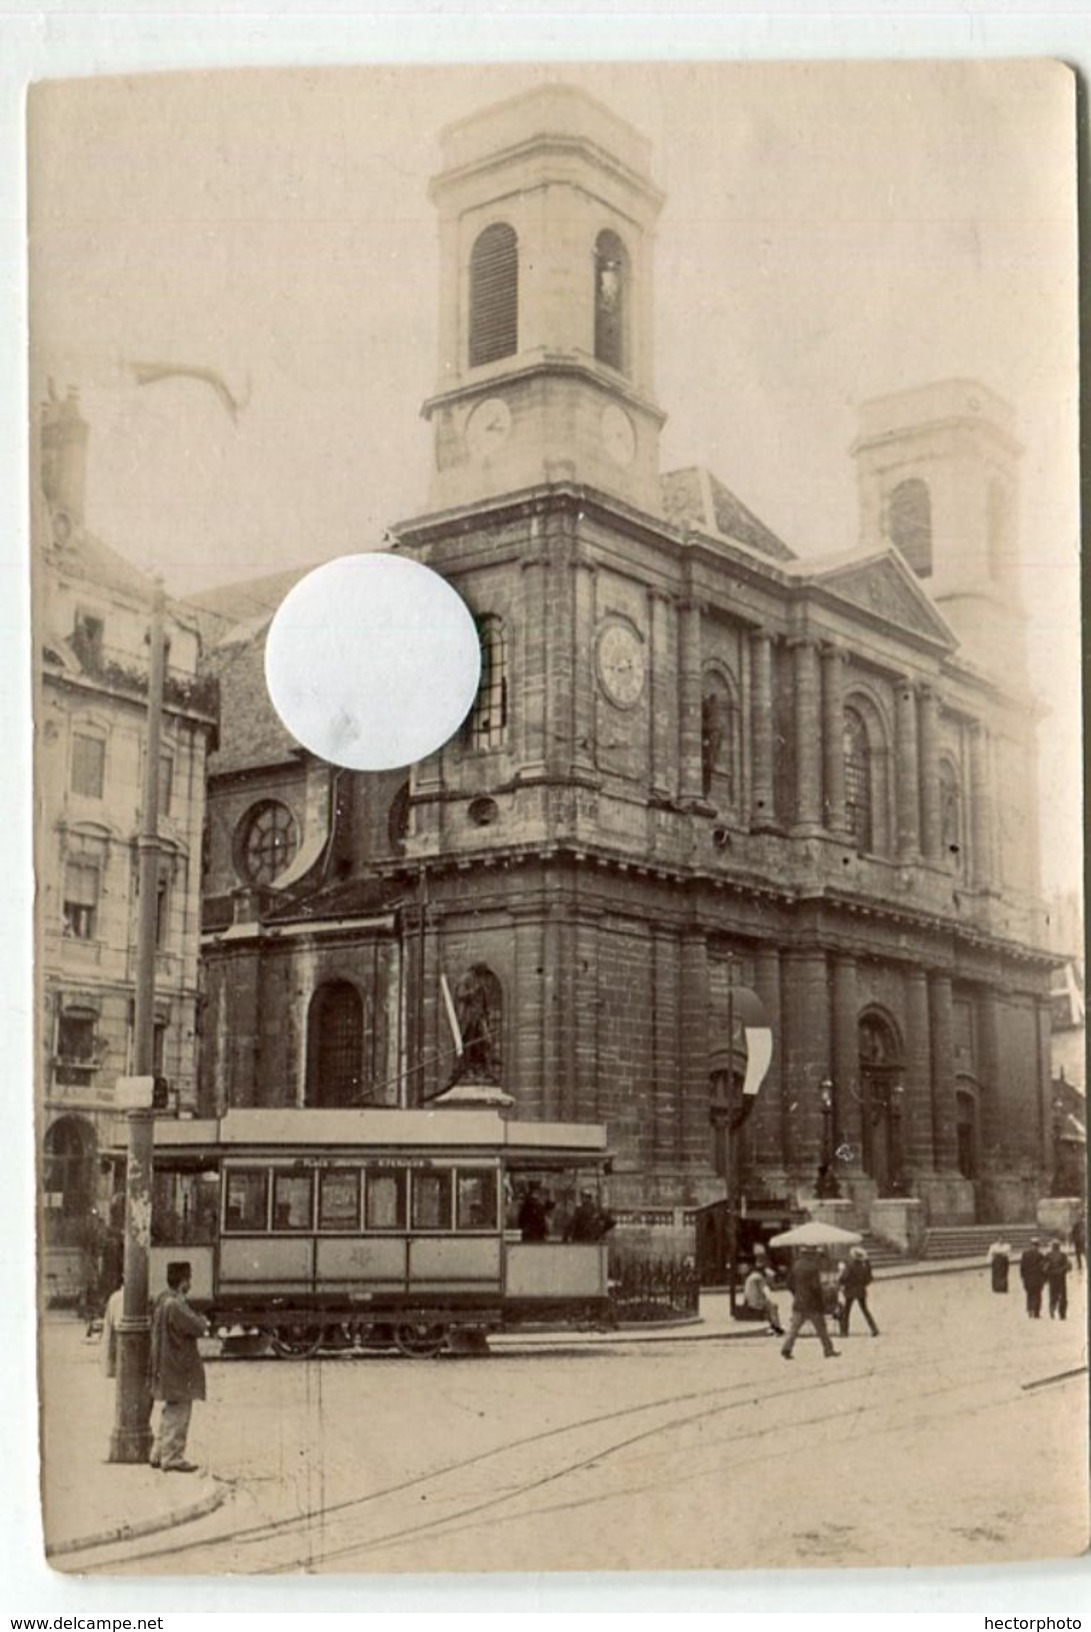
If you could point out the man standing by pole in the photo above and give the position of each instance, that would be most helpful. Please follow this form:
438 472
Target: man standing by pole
131 1438
176 1370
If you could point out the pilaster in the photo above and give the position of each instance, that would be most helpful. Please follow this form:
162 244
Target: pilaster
807 693
833 733
944 1110
928 723
762 797
907 771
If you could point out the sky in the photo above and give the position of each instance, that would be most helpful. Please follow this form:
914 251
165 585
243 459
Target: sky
831 233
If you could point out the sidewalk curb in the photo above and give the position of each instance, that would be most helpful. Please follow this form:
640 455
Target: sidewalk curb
143 1527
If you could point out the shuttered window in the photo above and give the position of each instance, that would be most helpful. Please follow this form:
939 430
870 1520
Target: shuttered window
494 295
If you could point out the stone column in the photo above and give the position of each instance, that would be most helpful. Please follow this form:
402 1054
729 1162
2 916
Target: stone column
944 1109
807 690
695 1131
917 1133
931 831
663 707
762 796
981 816
583 664
807 1052
990 1125
530 703
666 1020
833 736
845 1053
527 1029
689 724
907 772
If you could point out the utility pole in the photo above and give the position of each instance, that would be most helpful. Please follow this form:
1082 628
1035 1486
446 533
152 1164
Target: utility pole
132 1437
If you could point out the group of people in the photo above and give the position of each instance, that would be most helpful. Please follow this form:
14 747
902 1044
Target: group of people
810 1299
539 1218
1040 1271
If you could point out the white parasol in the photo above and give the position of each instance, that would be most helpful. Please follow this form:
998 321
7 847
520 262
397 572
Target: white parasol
815 1234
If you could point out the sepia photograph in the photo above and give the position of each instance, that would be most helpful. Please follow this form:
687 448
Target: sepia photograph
558 818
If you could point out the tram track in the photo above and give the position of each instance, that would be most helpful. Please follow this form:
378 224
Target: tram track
708 1403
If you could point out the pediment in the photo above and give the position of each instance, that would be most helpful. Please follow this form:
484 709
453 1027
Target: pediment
886 587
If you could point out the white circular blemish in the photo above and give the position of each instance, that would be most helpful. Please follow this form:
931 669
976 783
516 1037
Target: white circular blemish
373 661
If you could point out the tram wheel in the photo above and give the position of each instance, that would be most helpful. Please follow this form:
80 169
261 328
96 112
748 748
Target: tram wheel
297 1342
419 1341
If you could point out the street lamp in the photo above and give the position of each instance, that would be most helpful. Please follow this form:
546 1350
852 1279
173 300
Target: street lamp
131 1438
827 1186
1060 1177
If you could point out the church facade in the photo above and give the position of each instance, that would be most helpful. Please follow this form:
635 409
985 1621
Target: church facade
696 762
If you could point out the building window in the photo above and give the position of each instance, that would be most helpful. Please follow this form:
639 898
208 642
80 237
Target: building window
489 716
611 300
267 841
166 783
335 1046
950 813
162 910
911 524
75 1058
719 743
397 821
88 765
87 641
859 813
81 892
494 295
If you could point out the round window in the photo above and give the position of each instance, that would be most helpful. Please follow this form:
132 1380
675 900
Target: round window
267 841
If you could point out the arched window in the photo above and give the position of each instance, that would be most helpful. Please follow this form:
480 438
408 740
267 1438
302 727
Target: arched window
335 1046
719 741
488 723
911 524
494 295
859 810
611 301
950 813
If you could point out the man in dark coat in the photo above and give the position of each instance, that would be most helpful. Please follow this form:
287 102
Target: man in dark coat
1032 1273
176 1371
808 1303
1056 1271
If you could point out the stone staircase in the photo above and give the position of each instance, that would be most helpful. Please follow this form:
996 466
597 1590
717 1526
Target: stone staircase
974 1240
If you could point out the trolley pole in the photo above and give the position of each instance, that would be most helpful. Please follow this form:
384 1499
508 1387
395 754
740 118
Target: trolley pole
132 1436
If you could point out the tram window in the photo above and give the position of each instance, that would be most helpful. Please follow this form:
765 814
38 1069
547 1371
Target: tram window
475 1199
245 1200
292 1193
339 1199
431 1198
384 1200
185 1207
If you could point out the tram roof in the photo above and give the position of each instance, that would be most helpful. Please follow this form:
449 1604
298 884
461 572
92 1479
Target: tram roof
378 1127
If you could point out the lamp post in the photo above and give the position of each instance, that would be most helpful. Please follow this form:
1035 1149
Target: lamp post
131 1438
1060 1177
827 1187
897 1100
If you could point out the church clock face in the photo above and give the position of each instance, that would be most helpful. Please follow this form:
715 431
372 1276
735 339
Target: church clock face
618 436
487 427
620 658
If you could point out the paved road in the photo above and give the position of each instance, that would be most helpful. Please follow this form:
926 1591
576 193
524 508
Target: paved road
957 1437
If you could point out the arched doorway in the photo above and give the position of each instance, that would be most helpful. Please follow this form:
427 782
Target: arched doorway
68 1179
966 1129
880 1076
335 1046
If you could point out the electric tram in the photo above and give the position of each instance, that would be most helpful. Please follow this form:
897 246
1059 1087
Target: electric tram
376 1226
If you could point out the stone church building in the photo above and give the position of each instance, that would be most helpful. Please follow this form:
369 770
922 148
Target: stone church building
696 762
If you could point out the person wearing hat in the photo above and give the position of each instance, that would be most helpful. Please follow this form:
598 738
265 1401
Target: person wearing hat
854 1279
176 1371
1056 1268
808 1303
1032 1273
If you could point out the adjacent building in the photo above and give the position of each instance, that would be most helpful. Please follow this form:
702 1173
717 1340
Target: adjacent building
696 761
92 619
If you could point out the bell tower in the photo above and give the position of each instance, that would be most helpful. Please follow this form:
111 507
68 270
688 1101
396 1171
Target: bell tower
546 217
937 470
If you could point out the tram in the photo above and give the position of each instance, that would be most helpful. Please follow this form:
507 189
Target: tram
376 1226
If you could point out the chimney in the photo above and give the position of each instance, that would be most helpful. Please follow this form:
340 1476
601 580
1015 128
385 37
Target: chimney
64 457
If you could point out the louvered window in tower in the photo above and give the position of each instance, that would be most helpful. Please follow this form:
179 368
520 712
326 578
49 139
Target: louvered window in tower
488 722
911 524
494 295
611 300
